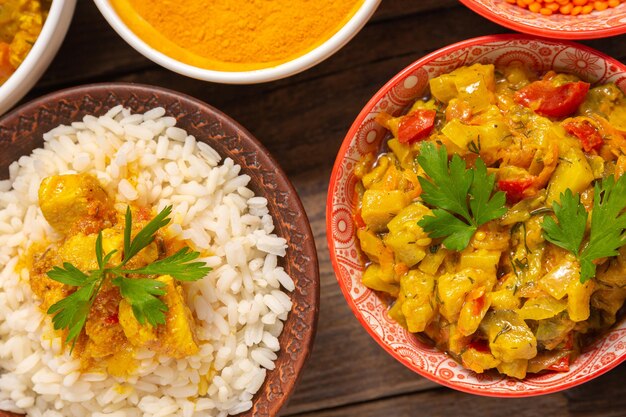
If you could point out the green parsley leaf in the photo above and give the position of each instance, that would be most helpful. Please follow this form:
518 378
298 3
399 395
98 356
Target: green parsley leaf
69 275
145 235
178 266
457 233
568 233
99 250
141 295
484 208
455 191
608 224
449 184
128 229
72 311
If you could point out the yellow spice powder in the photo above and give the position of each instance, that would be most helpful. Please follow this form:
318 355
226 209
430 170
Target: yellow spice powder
235 35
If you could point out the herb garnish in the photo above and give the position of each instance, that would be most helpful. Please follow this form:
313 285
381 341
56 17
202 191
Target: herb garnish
456 191
141 293
608 223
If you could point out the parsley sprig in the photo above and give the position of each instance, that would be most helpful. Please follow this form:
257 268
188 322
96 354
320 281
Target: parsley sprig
141 293
462 198
608 224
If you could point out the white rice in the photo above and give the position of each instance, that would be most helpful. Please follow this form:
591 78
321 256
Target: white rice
239 306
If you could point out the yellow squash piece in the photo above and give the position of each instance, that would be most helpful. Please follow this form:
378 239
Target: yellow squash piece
475 85
578 296
379 207
372 278
478 361
417 288
509 336
573 172
406 238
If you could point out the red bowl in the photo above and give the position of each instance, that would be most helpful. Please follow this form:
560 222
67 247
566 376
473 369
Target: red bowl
366 135
598 24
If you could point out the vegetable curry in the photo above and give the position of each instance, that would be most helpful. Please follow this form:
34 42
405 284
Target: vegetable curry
494 216
20 25
111 327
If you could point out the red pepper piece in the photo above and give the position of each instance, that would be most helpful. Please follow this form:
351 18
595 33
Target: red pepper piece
478 305
515 189
416 125
480 345
547 99
586 133
562 365
112 319
360 223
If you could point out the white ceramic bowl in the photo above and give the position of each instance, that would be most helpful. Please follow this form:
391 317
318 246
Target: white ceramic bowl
317 55
40 56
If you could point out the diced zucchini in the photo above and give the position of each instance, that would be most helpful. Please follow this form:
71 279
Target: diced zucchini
478 361
417 289
541 308
503 299
372 278
486 260
404 152
417 313
371 244
452 289
457 342
432 261
516 369
379 207
406 238
404 245
573 172
509 336
474 309
556 282
475 85
395 312
578 299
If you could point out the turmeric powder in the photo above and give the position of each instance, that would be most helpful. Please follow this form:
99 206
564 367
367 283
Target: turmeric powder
232 35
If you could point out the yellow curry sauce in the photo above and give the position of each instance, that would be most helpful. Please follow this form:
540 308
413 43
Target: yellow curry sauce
511 300
78 208
20 25
228 35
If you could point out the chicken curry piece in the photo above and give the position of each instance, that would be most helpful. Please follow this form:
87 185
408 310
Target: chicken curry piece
78 208
21 22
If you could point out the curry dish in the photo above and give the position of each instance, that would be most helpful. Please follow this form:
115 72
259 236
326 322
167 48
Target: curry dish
79 209
508 292
20 25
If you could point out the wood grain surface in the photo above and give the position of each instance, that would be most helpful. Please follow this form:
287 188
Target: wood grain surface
302 121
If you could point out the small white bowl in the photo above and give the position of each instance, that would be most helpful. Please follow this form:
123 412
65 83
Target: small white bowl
317 55
40 56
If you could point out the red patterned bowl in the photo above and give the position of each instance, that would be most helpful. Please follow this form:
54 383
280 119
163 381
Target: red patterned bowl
366 135
598 24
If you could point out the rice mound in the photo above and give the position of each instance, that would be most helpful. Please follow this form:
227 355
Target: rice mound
239 307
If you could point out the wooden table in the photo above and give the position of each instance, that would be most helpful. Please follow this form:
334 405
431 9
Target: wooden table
302 121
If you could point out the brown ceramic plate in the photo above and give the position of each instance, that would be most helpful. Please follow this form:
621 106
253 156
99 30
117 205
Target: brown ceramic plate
21 131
